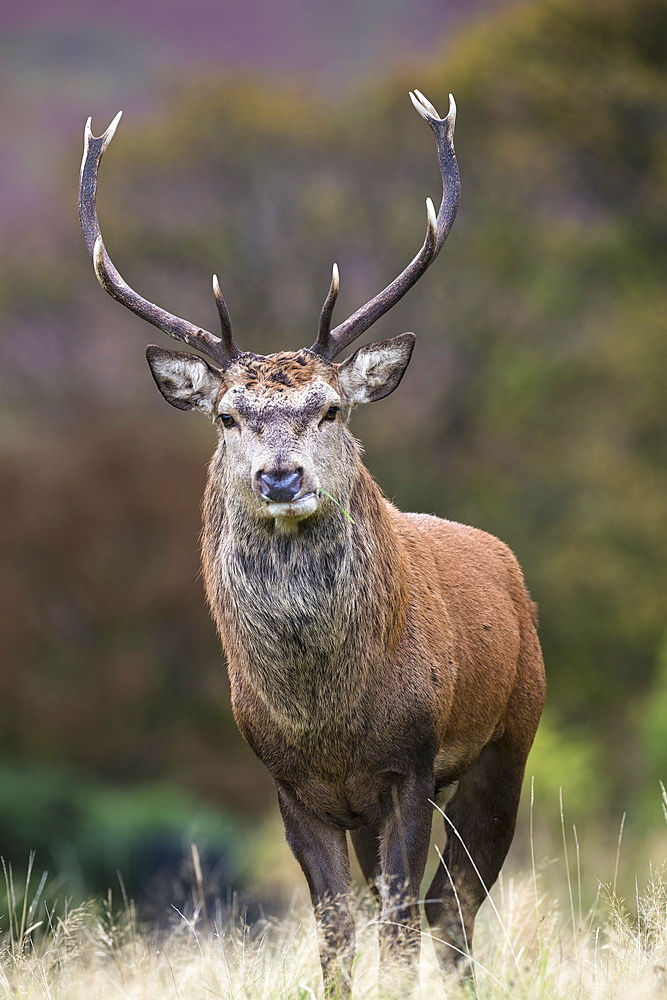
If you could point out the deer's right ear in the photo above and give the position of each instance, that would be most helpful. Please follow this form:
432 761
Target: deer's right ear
185 380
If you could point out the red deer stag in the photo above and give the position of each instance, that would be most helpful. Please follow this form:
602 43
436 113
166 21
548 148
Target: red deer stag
377 660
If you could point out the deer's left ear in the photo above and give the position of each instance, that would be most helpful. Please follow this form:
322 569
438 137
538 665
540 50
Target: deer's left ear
185 380
376 369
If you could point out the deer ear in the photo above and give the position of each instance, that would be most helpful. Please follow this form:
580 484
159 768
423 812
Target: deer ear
185 380
376 369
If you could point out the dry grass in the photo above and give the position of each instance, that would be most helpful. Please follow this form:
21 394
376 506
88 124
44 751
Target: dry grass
536 939
528 946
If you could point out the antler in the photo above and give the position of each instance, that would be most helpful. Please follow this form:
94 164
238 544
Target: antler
221 350
331 343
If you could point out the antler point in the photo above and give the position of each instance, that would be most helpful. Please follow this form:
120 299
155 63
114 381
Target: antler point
98 260
109 134
430 215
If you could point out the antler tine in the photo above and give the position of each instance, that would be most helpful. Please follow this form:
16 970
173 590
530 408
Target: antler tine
220 351
327 311
437 230
225 320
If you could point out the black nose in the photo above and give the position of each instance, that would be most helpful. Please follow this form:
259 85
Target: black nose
280 485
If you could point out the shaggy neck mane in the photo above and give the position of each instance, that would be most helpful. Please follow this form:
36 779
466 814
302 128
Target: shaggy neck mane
307 611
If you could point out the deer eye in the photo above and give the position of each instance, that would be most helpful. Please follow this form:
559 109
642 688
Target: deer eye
331 413
227 420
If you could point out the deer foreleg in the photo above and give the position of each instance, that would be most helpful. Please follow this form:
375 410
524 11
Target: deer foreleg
366 843
403 850
321 850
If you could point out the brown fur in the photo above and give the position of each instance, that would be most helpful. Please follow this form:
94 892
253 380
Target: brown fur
290 369
374 665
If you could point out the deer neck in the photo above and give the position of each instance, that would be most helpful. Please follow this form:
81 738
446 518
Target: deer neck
298 609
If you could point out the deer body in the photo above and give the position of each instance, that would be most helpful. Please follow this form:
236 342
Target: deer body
377 660
356 651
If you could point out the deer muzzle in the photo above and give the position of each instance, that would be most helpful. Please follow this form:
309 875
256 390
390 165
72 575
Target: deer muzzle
280 485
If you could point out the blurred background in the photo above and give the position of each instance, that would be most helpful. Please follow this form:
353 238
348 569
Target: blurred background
263 140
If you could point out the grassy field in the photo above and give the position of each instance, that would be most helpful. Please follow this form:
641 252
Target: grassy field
531 942
522 951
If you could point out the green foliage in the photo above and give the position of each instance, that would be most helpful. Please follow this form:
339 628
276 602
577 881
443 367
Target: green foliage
652 727
654 720
89 836
568 761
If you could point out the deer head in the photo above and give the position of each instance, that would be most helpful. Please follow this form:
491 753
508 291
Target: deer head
282 419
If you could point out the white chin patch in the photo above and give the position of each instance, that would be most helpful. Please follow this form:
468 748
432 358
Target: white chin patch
295 510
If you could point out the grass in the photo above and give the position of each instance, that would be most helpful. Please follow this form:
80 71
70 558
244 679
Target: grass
527 947
532 942
346 513
89 952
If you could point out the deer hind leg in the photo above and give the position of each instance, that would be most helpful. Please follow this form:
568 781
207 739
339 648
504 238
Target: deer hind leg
481 816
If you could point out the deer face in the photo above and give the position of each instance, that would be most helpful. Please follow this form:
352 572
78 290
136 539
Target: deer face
282 419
